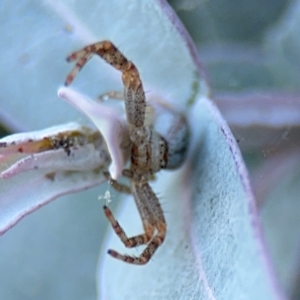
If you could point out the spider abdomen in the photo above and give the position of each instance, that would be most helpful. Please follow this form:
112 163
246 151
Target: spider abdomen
174 130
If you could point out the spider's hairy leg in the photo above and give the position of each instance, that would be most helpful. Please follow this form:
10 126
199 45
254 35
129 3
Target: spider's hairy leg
122 188
134 94
152 216
82 59
111 95
134 241
105 50
146 215
135 101
146 195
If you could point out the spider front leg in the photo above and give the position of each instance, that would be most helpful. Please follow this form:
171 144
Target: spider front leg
104 49
133 89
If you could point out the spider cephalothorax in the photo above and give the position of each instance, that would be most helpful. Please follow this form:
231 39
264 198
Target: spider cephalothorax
153 148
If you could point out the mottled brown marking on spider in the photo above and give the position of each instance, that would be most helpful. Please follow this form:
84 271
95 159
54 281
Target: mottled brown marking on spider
151 151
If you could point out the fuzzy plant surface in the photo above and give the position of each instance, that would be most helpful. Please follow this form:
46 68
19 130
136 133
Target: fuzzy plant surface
251 52
214 248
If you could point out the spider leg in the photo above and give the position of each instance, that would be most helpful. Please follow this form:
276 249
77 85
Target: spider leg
131 242
134 93
104 49
149 227
147 195
116 185
82 58
111 95
152 218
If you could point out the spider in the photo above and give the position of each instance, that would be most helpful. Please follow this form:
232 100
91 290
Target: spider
151 151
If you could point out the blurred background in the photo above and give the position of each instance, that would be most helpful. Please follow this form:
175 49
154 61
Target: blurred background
251 52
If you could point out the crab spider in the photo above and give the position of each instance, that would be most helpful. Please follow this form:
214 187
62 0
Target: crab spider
152 149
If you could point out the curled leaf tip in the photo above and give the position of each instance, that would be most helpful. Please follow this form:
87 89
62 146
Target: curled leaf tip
110 123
